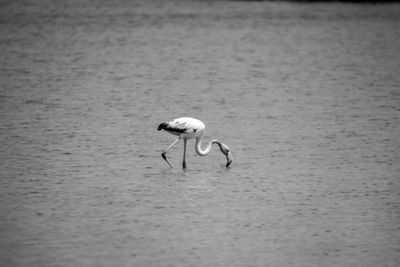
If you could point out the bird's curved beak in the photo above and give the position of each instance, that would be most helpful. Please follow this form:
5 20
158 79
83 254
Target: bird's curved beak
229 159
225 149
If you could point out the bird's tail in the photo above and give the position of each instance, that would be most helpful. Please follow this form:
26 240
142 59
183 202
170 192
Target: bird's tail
162 126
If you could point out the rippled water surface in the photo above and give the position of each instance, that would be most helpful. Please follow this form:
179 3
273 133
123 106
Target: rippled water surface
306 95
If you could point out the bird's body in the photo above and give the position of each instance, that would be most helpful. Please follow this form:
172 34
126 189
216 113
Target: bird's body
187 128
184 127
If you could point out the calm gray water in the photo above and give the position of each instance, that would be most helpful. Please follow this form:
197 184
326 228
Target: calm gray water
306 95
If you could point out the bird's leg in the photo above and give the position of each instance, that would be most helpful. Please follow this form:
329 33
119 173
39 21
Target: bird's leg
184 154
164 154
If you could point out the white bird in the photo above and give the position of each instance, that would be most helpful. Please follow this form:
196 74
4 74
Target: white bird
186 128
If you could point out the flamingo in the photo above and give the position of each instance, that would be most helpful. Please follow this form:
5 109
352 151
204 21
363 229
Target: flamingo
187 128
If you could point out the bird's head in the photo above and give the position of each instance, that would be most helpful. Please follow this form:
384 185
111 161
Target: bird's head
226 151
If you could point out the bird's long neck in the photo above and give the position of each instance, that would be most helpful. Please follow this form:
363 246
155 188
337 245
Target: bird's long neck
207 150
